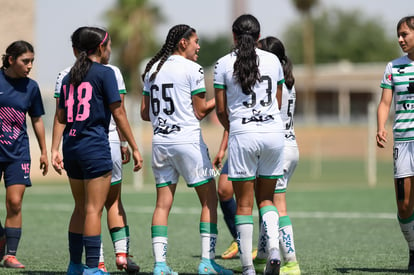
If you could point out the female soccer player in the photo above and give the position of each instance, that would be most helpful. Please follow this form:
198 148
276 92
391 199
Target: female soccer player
291 158
398 84
116 216
248 88
19 95
174 101
88 96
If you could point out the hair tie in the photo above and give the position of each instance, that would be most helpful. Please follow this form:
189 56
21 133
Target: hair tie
103 41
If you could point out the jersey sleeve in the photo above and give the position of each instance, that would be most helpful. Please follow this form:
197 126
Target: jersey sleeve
386 82
219 79
36 108
146 88
280 76
119 80
59 80
110 86
197 80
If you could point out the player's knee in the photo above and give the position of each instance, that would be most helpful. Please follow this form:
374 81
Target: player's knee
14 206
405 210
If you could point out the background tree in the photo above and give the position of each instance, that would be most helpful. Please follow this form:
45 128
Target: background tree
308 45
211 49
132 27
343 35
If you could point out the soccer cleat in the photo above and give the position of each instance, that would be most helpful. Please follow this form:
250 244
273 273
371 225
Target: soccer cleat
10 261
272 267
94 271
249 271
2 246
209 266
290 268
231 252
411 262
75 269
124 261
102 267
259 265
161 268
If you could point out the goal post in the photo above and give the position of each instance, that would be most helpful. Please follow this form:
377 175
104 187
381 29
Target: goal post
372 146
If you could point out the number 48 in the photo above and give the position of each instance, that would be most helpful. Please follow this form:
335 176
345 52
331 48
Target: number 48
84 95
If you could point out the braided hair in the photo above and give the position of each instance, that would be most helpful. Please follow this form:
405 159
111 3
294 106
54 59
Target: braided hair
86 41
175 34
16 49
246 30
275 46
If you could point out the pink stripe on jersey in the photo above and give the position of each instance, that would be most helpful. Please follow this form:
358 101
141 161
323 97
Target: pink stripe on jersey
11 124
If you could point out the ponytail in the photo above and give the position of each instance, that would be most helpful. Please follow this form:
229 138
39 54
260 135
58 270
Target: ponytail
86 40
246 30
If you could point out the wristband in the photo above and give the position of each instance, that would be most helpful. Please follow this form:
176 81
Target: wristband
124 143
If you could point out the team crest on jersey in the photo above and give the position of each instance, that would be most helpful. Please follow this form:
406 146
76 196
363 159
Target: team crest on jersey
389 77
257 117
165 129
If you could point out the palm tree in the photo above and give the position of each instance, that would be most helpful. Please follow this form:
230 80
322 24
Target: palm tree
305 8
132 26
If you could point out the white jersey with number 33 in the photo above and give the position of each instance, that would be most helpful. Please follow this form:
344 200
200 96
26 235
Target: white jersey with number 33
256 111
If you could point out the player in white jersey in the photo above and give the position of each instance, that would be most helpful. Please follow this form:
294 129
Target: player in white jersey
120 154
291 158
174 101
398 85
248 87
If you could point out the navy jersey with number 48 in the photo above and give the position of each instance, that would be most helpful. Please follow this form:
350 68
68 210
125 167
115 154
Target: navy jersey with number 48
87 113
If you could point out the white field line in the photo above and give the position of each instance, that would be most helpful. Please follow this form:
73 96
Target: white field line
27 207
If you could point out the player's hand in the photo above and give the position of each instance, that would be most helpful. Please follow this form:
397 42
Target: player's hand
138 161
44 164
57 162
381 138
126 154
218 159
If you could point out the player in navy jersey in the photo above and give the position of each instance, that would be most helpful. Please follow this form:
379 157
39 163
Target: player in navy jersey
89 95
174 101
248 90
398 86
19 95
116 215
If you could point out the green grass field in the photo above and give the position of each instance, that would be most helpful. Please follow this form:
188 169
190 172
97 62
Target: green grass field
341 225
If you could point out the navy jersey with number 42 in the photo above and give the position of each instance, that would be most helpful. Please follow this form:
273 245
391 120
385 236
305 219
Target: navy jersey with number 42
87 113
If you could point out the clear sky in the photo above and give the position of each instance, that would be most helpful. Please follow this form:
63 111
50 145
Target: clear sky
56 20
